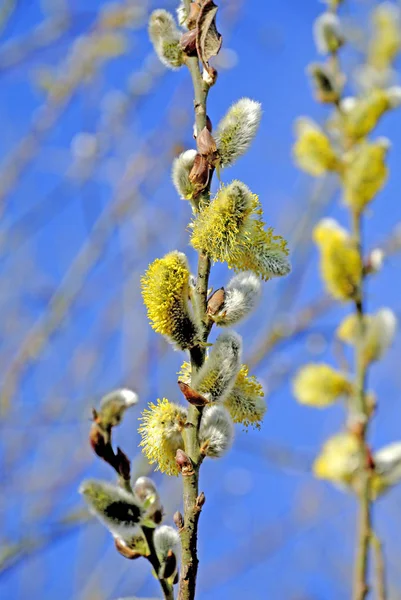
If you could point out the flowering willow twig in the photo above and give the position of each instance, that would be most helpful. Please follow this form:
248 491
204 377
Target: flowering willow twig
360 165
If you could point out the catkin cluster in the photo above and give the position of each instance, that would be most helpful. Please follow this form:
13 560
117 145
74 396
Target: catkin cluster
344 148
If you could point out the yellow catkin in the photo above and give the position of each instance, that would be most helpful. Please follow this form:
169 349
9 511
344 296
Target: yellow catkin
365 173
161 431
165 290
363 117
338 460
245 403
340 262
231 230
312 150
386 40
319 385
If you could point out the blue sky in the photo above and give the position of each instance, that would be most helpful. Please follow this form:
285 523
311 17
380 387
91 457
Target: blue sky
283 535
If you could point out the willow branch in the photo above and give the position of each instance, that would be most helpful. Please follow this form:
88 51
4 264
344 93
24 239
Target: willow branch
361 588
191 498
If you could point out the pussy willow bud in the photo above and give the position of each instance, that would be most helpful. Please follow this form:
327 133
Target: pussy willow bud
165 38
182 14
241 296
216 432
237 129
191 395
387 463
113 406
328 34
178 520
146 491
182 166
184 463
168 548
216 378
374 262
216 302
132 547
327 87
119 511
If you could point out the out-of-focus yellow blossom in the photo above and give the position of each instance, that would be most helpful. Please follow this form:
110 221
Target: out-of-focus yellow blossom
386 40
379 331
340 263
245 402
313 151
365 113
338 460
319 385
365 173
161 431
231 230
165 290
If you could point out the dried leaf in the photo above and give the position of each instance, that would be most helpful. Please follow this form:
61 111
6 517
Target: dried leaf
188 43
200 172
206 143
208 39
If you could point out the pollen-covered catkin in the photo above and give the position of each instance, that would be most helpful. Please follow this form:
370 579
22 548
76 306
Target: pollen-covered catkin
241 296
320 385
161 431
379 332
230 229
165 292
165 37
216 378
312 150
341 266
246 401
365 173
237 129
216 432
120 511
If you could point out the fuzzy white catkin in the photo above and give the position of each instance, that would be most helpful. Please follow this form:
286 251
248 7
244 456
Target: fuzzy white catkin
388 463
165 37
327 33
119 510
165 539
272 262
123 397
145 489
383 329
181 169
237 129
181 14
216 430
216 378
241 296
394 96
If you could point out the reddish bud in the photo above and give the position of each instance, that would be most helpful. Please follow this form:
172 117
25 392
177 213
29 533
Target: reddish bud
184 463
169 566
216 302
188 43
125 551
191 395
200 501
123 465
178 520
206 143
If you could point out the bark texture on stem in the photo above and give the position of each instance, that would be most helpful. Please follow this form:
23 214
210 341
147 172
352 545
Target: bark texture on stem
191 498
